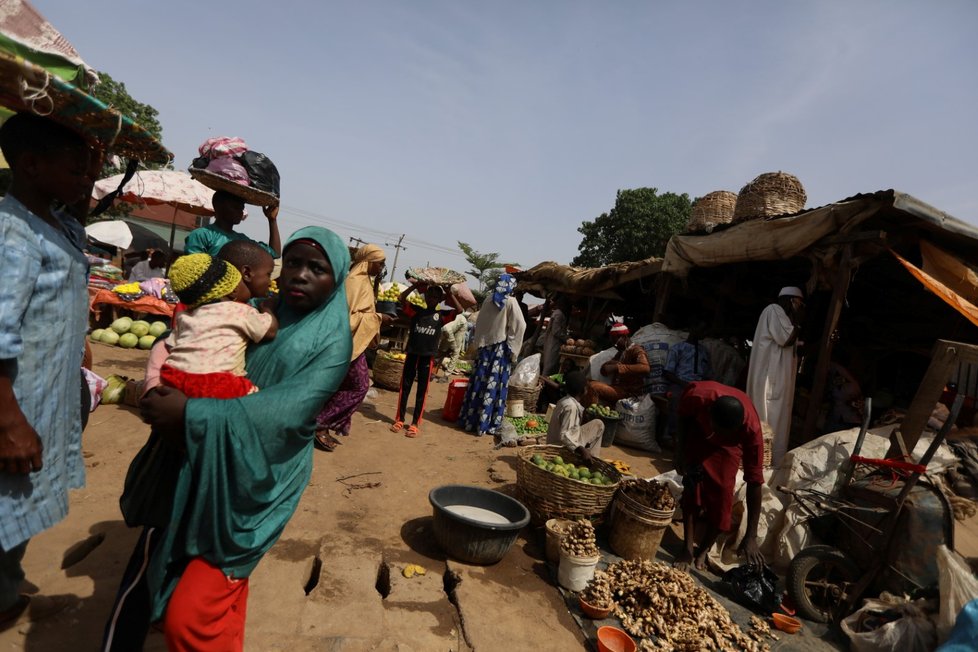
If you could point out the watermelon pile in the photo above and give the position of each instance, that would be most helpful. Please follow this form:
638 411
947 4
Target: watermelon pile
129 333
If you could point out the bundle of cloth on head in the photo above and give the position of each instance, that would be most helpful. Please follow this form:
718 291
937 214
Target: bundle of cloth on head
200 278
618 329
504 287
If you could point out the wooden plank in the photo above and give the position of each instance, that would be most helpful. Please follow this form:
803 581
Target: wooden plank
945 358
841 287
664 290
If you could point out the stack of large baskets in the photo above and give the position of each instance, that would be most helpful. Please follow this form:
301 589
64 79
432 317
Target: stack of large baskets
529 395
712 210
769 195
636 529
548 495
388 371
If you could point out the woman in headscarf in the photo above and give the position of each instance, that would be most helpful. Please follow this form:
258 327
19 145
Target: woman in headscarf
365 324
498 338
248 460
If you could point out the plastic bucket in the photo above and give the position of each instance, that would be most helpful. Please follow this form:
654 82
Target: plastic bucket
636 532
514 408
612 639
556 527
574 573
453 401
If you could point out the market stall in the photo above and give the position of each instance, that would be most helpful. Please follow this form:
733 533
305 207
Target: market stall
885 274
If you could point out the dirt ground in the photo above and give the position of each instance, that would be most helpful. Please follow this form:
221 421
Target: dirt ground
333 581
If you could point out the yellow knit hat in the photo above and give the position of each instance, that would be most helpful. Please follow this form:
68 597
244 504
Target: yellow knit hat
200 278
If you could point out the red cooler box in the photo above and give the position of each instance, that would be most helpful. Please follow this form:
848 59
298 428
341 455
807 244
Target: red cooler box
453 402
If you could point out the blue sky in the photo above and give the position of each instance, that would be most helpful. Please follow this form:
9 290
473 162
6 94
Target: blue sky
506 124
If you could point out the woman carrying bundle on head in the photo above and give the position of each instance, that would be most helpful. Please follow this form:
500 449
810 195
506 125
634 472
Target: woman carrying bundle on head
498 338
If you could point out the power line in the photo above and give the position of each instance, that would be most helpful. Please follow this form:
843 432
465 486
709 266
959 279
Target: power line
350 226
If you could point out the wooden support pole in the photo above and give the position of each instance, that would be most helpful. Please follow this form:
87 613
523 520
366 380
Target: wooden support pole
665 282
839 291
944 360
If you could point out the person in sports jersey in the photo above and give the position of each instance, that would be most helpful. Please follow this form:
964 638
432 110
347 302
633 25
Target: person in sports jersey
422 351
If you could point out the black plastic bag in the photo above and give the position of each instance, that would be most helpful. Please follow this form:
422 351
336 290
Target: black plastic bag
261 171
755 587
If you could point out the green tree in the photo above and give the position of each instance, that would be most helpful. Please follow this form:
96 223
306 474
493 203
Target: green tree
639 226
486 268
114 94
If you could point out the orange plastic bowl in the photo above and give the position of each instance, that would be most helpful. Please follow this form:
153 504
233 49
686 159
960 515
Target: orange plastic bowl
786 624
594 612
612 639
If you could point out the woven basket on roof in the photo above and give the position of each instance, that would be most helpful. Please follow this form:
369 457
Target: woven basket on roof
769 195
711 210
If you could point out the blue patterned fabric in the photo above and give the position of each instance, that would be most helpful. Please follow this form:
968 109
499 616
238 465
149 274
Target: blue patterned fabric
485 399
504 288
690 362
43 318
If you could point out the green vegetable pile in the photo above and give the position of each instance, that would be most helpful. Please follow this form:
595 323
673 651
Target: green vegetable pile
529 425
598 410
557 466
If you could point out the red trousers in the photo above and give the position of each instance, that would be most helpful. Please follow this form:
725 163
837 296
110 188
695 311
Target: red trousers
207 611
215 385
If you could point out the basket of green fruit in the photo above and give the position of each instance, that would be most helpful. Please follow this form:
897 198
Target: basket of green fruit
557 483
610 417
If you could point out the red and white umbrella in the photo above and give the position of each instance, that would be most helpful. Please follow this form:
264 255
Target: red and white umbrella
170 187
155 187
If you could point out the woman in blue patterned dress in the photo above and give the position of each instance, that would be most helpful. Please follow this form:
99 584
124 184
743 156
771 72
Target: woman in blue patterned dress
498 338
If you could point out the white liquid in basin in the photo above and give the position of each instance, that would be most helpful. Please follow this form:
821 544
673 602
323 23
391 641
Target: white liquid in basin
478 514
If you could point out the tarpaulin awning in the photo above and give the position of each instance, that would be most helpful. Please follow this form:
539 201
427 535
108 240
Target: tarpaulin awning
946 294
585 281
785 237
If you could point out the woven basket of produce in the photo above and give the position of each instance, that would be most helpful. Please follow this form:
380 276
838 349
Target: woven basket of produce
388 368
578 347
769 195
711 210
643 510
549 490
529 395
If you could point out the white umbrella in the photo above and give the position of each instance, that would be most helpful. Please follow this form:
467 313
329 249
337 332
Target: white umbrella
111 232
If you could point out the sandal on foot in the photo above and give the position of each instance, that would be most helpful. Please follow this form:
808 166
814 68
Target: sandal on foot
412 431
397 426
325 441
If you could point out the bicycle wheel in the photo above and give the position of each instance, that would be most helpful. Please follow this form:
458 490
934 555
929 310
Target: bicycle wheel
819 581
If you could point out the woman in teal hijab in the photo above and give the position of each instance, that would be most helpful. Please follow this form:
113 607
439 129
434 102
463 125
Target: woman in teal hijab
248 460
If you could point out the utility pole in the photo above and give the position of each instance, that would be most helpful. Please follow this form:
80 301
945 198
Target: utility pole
397 252
358 241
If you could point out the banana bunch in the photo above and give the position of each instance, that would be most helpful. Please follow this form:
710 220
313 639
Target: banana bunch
621 467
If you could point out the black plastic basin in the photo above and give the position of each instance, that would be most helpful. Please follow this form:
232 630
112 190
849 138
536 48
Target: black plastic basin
466 537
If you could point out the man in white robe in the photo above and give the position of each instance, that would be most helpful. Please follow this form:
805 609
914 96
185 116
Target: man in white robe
774 366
